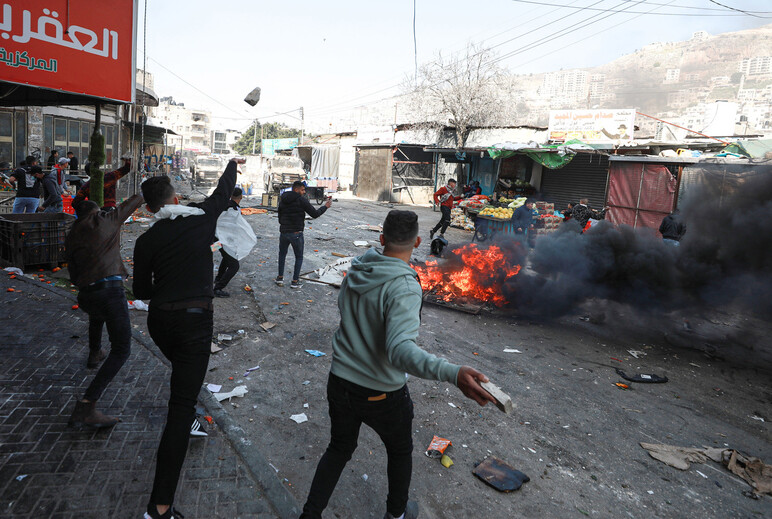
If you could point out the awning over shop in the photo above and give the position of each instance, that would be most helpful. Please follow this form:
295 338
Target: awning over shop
751 148
153 134
550 156
12 94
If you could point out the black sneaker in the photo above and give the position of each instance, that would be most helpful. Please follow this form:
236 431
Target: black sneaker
279 281
296 284
431 235
411 511
196 430
171 513
219 292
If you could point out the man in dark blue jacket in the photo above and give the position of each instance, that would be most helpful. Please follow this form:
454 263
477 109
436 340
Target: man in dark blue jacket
522 220
293 207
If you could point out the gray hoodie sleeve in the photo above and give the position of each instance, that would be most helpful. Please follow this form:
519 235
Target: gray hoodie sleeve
402 323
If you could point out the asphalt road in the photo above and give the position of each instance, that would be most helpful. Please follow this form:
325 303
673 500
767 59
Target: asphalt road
573 431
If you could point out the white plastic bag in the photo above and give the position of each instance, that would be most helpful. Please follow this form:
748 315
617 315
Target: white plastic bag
235 234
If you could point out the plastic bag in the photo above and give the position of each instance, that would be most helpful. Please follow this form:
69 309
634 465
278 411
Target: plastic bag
235 234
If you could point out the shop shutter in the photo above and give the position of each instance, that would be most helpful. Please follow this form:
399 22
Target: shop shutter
585 176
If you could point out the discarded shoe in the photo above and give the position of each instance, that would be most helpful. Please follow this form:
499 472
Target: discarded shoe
95 358
85 414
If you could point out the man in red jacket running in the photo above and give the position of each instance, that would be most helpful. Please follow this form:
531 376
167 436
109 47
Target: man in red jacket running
444 197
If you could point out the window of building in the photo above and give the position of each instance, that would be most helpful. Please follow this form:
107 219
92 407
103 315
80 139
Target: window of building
13 137
6 137
74 135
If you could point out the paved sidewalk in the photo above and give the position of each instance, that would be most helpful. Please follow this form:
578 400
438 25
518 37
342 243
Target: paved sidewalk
50 470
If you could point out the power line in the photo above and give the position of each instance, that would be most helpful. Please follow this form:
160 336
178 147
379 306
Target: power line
629 12
749 13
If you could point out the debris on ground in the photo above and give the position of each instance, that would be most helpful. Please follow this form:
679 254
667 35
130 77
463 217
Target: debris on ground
446 461
621 385
214 388
14 270
224 337
267 325
138 305
250 370
503 401
500 475
215 348
237 391
642 377
299 418
22 476
754 471
316 353
437 447
510 350
362 243
637 354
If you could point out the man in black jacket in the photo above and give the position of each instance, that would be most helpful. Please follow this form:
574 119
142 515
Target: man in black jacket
522 221
173 269
293 207
672 228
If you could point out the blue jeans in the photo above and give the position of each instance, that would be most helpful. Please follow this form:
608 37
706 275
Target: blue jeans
56 208
296 240
25 205
390 415
106 306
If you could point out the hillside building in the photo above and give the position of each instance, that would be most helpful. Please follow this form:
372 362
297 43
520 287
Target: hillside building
756 66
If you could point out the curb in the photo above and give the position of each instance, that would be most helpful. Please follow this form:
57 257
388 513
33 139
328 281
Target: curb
258 466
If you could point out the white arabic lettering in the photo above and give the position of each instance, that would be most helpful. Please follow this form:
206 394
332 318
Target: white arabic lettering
50 30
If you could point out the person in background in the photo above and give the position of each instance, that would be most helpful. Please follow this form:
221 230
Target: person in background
28 186
52 195
522 221
582 213
672 228
173 269
110 186
373 349
229 265
93 252
60 173
567 214
293 207
73 161
445 198
52 159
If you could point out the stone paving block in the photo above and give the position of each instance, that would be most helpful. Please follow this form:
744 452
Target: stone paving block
83 473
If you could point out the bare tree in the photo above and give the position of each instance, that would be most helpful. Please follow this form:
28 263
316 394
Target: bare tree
464 91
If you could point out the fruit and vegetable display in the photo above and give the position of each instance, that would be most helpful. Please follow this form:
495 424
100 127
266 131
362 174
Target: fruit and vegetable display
501 213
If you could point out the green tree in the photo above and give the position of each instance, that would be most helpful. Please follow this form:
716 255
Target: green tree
269 131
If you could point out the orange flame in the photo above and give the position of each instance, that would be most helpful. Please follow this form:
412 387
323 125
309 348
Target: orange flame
472 273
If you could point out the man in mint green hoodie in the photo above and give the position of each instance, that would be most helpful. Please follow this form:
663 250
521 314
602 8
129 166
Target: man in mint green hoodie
373 349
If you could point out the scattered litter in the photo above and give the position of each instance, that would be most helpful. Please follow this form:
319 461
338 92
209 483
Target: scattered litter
283 304
695 365
510 350
361 243
247 288
209 419
250 370
299 418
316 353
306 382
446 461
364 477
215 348
500 475
237 391
138 305
17 271
464 445
650 492
643 377
437 447
267 325
19 478
616 359
503 401
214 388
305 405
224 337
240 332
759 418
75 307
584 318
366 227
273 467
532 451
754 471
451 404
621 386
701 474
637 354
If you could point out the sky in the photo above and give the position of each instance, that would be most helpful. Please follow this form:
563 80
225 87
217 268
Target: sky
329 57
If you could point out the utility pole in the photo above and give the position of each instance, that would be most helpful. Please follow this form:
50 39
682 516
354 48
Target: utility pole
254 136
302 121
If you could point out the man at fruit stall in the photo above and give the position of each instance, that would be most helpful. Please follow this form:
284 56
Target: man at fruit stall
373 349
110 184
522 221
93 252
445 198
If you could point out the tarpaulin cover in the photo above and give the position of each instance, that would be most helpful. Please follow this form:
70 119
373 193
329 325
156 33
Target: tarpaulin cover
553 157
640 195
325 161
721 177
751 148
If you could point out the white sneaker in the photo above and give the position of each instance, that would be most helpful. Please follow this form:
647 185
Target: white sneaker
279 282
196 429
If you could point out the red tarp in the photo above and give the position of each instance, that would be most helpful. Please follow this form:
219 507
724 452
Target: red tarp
640 195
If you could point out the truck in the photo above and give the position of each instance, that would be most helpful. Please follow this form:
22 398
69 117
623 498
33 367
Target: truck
281 172
206 170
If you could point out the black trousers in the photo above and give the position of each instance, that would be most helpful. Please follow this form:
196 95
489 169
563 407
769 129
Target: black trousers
442 225
228 268
390 416
106 306
184 337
